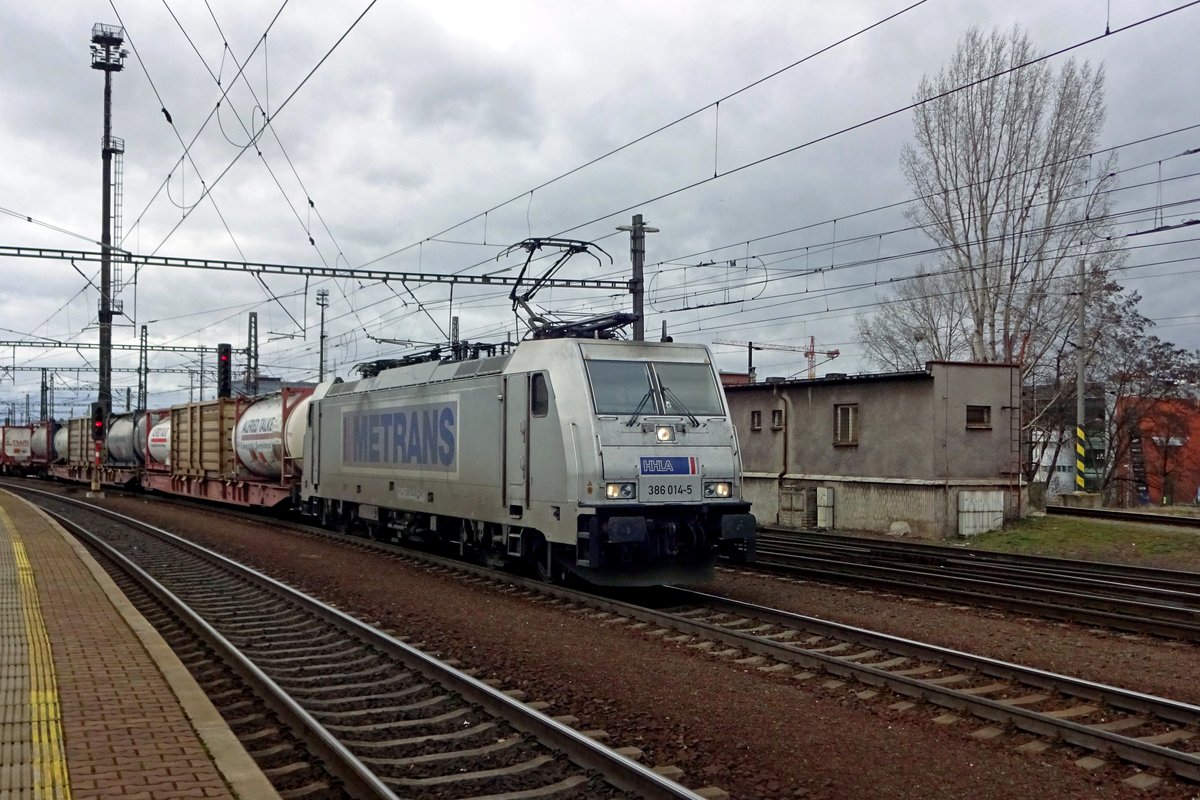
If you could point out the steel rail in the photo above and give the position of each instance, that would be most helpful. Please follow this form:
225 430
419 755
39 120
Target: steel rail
1086 599
918 551
1126 516
1186 765
340 762
1130 749
586 752
1055 605
1181 598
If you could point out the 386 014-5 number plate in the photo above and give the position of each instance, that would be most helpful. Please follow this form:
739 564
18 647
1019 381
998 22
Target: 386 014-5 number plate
668 488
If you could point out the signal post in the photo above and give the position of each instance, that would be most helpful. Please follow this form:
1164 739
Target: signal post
98 414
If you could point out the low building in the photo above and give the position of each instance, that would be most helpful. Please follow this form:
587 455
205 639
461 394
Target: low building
930 453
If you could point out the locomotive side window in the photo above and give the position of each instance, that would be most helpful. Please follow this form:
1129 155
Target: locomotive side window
619 387
539 395
691 386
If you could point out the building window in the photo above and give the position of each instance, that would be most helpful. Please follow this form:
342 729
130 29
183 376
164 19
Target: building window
979 417
777 419
845 424
756 420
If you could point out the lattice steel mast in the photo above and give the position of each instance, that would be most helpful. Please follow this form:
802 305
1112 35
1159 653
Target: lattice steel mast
108 57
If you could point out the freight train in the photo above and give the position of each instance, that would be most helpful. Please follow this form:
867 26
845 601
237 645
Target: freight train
611 460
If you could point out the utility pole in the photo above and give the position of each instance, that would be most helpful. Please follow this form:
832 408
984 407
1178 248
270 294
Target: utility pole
46 409
323 302
252 358
637 254
200 377
1080 364
143 369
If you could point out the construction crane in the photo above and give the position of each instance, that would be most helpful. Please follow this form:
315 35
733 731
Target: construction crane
810 352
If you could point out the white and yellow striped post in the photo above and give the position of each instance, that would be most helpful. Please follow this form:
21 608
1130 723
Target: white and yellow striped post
1080 443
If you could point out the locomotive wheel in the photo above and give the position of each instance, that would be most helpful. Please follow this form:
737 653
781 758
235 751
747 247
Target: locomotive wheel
327 515
547 567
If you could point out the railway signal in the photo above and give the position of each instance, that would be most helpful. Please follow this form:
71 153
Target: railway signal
98 421
224 369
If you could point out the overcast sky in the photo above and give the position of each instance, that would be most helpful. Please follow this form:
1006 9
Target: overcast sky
427 115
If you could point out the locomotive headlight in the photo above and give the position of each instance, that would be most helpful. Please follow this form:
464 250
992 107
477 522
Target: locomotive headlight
717 489
665 433
620 491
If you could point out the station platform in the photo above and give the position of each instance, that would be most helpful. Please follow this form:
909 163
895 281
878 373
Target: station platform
93 703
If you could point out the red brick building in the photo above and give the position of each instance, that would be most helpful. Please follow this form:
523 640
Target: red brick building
1167 462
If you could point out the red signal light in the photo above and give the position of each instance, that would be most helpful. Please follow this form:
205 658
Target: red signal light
98 431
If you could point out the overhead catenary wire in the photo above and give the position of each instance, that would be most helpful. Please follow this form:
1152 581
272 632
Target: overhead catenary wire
528 193
839 215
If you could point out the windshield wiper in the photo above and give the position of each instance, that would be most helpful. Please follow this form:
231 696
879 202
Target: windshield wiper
637 412
673 398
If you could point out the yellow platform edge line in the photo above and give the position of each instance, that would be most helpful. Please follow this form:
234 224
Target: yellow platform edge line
49 760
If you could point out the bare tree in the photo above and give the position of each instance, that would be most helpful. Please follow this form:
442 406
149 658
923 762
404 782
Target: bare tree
1005 188
925 321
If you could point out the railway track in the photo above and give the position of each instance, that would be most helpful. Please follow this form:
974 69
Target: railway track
1122 515
1140 729
1043 707
1135 599
382 717
1036 707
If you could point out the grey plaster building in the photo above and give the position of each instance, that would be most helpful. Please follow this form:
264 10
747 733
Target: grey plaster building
931 453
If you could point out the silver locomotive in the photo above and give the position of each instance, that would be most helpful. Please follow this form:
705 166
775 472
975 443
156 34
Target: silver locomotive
613 460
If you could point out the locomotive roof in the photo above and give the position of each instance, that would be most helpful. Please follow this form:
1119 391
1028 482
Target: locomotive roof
527 356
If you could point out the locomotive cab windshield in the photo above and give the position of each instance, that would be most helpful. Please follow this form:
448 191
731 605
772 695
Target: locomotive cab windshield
654 388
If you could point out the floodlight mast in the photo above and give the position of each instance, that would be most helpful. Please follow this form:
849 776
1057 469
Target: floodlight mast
108 57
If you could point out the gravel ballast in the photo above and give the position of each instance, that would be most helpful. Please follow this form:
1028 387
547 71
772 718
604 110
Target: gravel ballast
753 734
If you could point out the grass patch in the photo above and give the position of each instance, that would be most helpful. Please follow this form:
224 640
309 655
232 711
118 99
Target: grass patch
1096 540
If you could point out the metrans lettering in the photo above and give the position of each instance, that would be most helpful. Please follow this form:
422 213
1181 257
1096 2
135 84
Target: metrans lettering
410 437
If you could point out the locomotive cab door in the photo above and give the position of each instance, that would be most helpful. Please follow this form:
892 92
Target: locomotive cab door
516 444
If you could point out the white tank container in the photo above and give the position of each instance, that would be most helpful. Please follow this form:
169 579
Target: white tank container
61 438
159 444
126 437
42 440
16 444
262 443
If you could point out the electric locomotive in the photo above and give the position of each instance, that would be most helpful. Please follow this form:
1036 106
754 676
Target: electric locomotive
613 460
